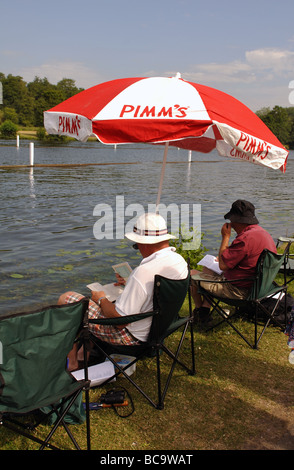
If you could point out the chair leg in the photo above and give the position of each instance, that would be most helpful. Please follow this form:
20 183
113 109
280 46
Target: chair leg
176 361
20 431
61 421
255 329
218 310
160 404
123 372
18 427
87 398
191 331
193 370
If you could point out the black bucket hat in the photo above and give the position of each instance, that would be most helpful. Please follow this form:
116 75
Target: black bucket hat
242 212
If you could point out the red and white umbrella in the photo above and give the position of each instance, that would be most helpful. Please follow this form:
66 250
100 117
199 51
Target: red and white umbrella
161 110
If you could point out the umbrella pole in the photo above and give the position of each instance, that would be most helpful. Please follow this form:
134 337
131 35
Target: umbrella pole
162 175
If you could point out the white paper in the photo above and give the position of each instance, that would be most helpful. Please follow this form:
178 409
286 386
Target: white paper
97 374
210 261
112 292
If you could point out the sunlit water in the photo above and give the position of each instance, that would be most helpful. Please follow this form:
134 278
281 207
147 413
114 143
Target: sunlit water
46 231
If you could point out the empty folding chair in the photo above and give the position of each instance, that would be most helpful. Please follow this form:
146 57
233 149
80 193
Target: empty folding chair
289 261
33 370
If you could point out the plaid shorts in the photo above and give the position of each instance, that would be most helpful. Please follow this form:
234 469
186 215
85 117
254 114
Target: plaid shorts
108 333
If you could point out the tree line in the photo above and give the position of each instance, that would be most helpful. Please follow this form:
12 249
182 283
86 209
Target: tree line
24 104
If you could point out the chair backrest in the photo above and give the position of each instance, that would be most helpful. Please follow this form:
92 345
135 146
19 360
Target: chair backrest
168 298
267 268
34 352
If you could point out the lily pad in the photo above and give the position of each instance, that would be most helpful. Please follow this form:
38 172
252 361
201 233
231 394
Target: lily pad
68 267
16 276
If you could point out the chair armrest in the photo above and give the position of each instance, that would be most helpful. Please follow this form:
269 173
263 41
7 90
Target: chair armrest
122 320
197 277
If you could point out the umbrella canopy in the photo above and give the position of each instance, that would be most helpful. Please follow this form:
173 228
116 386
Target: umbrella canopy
161 110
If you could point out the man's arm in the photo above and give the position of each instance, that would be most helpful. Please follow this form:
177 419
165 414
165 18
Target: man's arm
107 307
226 233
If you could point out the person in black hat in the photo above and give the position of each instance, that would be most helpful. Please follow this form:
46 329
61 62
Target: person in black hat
237 261
242 212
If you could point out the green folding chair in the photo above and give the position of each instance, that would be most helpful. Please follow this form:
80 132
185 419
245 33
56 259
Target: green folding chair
35 385
263 287
168 299
289 261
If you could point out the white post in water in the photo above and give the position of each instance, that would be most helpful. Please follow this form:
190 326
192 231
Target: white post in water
190 155
17 140
31 153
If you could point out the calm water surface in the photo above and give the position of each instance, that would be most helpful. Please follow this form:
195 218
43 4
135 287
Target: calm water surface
47 244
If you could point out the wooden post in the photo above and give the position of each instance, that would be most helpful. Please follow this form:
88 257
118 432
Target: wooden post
31 153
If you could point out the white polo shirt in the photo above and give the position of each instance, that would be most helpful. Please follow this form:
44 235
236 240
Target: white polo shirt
137 296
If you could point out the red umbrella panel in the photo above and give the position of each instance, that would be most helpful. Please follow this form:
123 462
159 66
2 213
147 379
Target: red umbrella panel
161 109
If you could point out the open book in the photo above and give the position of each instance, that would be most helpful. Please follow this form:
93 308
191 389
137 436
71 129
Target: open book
112 292
210 262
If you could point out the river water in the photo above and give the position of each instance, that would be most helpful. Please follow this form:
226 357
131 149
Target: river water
47 243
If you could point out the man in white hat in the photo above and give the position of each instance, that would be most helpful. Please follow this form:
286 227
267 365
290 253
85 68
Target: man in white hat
152 239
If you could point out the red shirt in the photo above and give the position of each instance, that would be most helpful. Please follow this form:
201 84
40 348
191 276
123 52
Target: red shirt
242 255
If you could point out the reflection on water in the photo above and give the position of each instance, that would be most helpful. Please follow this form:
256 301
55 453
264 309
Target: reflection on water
47 243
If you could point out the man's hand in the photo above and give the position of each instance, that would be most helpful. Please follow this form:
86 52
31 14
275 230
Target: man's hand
96 295
120 281
107 307
226 230
226 233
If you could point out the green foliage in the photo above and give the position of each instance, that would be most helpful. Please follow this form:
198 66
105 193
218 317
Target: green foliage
24 103
8 129
48 138
281 122
41 133
189 246
16 95
10 114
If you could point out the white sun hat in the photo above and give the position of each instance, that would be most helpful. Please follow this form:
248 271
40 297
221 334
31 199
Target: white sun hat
150 228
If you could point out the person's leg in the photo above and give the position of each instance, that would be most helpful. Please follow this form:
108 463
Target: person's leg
107 333
73 359
198 299
202 306
63 299
225 290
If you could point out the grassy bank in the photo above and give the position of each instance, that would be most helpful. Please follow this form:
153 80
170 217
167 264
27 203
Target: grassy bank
239 399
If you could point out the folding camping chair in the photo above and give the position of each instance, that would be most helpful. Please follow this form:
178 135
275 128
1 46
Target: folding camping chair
264 287
289 262
168 299
35 384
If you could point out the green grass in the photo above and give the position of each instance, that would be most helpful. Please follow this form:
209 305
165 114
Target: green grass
239 399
